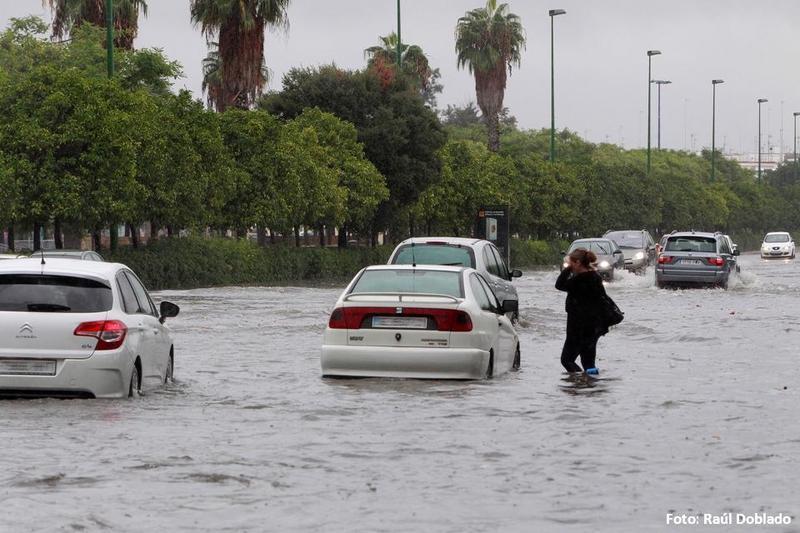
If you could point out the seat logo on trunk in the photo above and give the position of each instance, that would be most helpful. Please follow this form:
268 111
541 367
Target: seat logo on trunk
26 332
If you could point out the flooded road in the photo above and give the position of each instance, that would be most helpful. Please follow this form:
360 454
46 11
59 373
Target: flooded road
695 412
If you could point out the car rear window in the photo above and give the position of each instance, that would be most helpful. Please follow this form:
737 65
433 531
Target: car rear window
53 294
691 244
410 282
434 254
627 239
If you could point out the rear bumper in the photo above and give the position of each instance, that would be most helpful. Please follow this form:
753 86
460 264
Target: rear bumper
676 275
425 363
99 376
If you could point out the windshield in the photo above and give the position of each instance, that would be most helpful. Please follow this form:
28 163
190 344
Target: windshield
598 247
410 282
434 254
776 238
53 294
692 244
627 239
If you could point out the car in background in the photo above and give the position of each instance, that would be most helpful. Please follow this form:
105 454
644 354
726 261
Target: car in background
609 256
80 329
777 244
479 254
85 255
438 322
637 246
695 258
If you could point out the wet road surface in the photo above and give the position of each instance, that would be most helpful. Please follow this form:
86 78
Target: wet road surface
695 411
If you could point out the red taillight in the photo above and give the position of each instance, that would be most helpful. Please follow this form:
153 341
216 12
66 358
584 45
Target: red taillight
445 319
110 334
664 259
716 261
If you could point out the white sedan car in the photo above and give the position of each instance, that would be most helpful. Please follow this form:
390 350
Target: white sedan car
80 329
439 322
777 244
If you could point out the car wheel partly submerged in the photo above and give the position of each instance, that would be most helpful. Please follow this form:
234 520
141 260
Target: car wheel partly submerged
517 360
133 388
490 366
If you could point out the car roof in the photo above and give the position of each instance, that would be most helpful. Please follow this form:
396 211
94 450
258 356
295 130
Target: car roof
59 252
778 233
439 268
460 241
69 267
592 239
693 234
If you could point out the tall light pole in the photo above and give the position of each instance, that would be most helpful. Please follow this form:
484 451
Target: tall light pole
714 84
659 83
553 13
760 101
110 37
650 54
399 39
796 114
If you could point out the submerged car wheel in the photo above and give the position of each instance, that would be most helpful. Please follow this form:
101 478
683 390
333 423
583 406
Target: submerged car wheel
490 366
517 360
133 388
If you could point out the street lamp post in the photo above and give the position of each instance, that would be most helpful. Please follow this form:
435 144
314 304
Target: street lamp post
794 160
553 13
399 39
110 37
714 84
650 54
659 83
760 101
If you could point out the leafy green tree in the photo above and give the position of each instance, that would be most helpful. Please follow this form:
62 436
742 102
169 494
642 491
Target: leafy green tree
237 27
489 41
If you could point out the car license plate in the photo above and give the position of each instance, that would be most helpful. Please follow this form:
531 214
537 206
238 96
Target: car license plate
27 367
405 322
691 262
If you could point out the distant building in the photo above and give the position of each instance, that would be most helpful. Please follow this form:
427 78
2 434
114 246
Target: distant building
769 161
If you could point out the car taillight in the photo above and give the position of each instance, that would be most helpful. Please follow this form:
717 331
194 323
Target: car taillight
445 319
664 259
110 334
716 261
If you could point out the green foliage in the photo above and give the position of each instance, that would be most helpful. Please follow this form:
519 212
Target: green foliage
197 262
527 253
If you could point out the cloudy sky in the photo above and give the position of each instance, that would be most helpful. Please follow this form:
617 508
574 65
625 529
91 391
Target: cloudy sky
601 65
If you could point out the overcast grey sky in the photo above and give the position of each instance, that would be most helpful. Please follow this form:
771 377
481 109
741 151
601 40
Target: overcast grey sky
601 65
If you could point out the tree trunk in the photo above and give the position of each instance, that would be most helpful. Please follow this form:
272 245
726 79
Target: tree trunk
37 236
261 235
57 234
241 233
297 236
322 240
97 242
153 231
11 238
134 234
170 230
271 237
342 241
493 127
113 234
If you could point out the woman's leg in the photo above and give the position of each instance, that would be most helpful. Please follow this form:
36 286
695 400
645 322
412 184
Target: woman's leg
571 348
589 350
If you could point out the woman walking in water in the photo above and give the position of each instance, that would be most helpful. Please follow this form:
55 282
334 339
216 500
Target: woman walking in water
585 322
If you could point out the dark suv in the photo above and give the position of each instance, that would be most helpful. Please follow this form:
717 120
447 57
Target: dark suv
696 258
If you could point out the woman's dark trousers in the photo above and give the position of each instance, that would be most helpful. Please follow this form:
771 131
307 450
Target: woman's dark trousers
581 340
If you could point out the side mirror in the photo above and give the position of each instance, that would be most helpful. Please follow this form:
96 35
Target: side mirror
516 274
509 306
562 252
736 251
168 310
617 252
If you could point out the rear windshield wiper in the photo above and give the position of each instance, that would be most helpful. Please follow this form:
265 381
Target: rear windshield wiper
43 308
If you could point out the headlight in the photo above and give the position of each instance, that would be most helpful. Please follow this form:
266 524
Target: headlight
603 264
565 265
639 255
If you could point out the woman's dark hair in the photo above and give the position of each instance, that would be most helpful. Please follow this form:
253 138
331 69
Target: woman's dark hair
583 256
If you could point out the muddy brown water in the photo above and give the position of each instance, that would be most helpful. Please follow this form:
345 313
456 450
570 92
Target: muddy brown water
695 412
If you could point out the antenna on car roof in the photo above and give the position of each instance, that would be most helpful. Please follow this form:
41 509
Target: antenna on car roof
413 257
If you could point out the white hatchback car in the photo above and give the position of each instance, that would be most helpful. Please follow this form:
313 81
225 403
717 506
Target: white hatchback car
80 329
439 322
777 244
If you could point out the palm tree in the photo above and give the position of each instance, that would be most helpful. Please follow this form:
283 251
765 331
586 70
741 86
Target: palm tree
239 26
489 40
68 14
413 64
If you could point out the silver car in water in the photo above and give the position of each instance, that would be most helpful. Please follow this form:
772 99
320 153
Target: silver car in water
696 258
609 256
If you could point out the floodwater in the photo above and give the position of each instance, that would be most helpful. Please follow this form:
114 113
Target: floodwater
695 412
